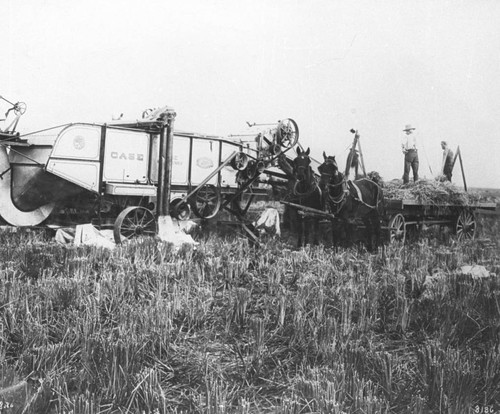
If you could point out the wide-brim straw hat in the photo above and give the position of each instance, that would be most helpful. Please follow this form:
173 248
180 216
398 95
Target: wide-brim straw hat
408 128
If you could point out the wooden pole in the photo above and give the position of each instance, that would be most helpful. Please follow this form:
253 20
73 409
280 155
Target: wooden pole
163 190
361 158
162 156
462 168
169 144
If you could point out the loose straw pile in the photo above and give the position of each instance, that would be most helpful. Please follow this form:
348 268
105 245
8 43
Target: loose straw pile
429 192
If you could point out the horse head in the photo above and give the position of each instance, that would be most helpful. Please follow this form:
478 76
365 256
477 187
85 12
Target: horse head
329 169
302 165
305 179
332 181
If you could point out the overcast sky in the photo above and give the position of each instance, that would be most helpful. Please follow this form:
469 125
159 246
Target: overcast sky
374 66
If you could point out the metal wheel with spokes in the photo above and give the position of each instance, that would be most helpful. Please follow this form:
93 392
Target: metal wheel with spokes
19 108
287 133
465 227
134 222
206 201
397 229
240 161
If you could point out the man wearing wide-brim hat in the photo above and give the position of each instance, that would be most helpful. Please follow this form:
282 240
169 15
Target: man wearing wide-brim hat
409 145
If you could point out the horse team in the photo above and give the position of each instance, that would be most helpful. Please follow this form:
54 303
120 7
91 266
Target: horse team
344 201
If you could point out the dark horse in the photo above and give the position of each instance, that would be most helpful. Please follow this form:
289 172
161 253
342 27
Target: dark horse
303 189
352 200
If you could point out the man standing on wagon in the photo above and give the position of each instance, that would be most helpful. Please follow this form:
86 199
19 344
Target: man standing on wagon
409 146
447 164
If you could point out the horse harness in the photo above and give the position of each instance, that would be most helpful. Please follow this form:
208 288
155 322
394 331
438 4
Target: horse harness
313 187
348 187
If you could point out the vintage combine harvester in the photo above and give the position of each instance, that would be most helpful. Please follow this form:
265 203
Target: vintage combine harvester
125 175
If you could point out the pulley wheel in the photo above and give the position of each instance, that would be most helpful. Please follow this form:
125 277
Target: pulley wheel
251 169
240 161
180 209
206 201
287 133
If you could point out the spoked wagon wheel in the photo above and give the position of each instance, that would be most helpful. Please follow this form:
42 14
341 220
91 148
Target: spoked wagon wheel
288 133
206 201
466 225
397 229
133 222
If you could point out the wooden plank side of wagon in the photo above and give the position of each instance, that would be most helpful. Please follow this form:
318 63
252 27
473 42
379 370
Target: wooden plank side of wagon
400 204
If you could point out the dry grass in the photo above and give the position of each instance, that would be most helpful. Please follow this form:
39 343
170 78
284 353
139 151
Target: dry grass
227 328
431 192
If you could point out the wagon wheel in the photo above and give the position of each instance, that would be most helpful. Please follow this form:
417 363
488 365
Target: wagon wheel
466 225
180 209
397 228
133 222
240 161
207 201
288 133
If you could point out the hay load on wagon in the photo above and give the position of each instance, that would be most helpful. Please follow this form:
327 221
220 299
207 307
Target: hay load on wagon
430 192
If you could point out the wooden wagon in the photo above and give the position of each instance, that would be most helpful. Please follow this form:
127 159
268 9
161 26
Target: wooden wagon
405 216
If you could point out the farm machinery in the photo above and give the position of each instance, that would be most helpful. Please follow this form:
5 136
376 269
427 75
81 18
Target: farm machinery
125 174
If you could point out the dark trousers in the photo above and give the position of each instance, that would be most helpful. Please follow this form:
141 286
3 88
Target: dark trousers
447 173
411 161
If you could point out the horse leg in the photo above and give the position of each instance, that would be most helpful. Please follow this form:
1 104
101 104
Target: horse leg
315 229
368 233
300 230
305 231
377 229
373 230
334 226
347 233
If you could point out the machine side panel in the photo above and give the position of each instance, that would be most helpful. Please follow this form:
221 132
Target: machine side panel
180 160
83 173
205 159
75 156
81 142
126 156
228 174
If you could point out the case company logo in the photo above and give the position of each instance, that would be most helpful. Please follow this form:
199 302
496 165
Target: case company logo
130 156
204 162
79 142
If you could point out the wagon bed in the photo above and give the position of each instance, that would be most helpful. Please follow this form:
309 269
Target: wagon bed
402 215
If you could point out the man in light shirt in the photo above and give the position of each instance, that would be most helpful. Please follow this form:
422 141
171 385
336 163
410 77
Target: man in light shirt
409 146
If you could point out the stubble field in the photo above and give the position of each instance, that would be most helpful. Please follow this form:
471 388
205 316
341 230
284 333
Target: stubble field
226 328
